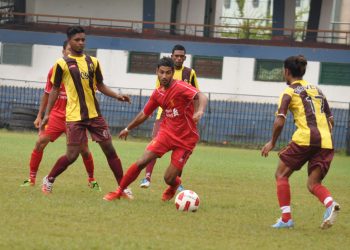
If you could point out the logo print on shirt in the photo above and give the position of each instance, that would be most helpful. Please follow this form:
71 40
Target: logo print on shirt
171 113
84 75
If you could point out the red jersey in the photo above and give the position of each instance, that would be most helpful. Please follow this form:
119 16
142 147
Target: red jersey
59 109
178 108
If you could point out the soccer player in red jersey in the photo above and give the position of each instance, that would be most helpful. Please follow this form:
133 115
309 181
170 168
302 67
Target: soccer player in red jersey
312 141
188 75
178 131
81 75
54 129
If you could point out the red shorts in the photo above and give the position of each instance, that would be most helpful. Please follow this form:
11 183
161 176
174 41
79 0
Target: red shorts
98 128
295 156
162 144
54 128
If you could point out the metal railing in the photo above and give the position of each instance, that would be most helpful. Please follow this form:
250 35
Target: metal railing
236 120
246 30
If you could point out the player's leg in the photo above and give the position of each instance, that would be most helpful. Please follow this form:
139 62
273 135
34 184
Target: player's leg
146 182
76 137
89 166
318 168
292 158
282 175
113 160
179 158
131 174
52 131
35 159
60 166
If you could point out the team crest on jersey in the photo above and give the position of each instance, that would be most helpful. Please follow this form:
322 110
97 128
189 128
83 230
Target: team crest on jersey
91 67
84 75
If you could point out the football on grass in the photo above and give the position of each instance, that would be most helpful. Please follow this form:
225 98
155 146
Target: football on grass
187 200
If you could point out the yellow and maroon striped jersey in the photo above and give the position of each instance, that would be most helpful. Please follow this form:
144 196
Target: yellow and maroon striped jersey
311 114
184 74
80 76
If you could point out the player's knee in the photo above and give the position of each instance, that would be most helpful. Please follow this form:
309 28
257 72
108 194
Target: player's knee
72 156
169 179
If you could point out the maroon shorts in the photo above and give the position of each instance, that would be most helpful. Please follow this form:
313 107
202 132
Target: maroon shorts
295 156
161 145
98 128
54 128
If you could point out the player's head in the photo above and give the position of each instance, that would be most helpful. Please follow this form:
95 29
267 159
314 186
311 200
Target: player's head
294 68
66 48
165 71
178 54
76 39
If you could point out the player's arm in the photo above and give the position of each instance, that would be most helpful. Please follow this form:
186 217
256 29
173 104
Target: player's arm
202 104
104 89
276 131
56 80
278 124
150 106
43 104
328 113
50 103
193 80
139 119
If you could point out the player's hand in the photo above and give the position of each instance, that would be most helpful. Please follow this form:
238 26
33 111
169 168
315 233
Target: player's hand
197 116
124 98
43 123
124 134
37 121
266 149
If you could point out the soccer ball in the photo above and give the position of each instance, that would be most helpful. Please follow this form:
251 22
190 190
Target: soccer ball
187 200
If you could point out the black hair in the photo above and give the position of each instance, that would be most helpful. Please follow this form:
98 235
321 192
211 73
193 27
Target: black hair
71 31
296 65
166 61
178 47
65 44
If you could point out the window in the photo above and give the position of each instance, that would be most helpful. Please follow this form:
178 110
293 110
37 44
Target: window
91 52
268 70
208 67
19 54
143 62
227 4
335 74
255 3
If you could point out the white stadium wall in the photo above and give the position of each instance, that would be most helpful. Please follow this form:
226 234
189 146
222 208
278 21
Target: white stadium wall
237 77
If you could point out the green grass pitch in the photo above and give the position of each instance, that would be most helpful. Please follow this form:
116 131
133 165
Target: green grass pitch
236 188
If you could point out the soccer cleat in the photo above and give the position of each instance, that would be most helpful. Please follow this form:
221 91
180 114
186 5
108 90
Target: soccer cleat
46 186
145 183
127 194
280 224
180 188
169 193
330 215
94 185
28 183
113 195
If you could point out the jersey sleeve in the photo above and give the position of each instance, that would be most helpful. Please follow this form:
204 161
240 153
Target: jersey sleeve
193 79
188 91
151 105
57 74
283 104
98 73
49 84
